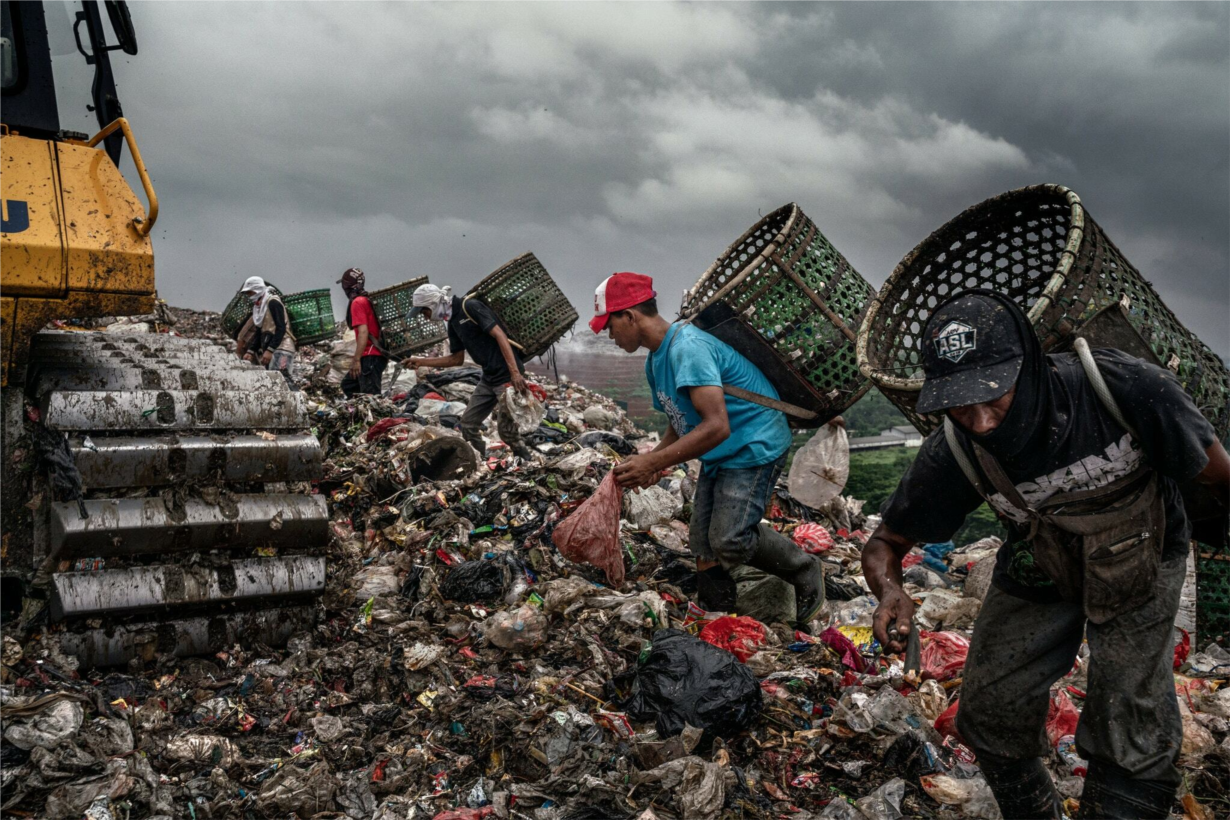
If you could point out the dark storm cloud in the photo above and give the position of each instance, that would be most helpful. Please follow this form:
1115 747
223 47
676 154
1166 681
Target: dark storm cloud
294 140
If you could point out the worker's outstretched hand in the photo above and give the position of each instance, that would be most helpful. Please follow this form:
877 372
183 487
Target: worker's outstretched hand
266 357
518 383
637 471
893 617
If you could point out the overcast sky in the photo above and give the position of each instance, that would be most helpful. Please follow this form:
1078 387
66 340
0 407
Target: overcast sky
293 140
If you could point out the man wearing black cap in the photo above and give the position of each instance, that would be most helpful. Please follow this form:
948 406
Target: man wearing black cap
1087 487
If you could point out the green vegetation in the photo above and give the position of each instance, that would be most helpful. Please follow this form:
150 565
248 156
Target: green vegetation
874 476
871 414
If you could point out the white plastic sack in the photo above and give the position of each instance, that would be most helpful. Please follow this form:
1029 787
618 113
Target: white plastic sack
820 469
652 505
341 355
526 411
434 408
59 721
376 580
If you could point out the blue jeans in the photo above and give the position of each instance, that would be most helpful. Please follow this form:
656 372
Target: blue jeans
726 513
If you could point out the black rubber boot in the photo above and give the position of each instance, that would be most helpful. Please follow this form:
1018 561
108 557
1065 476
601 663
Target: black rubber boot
778 556
1022 788
1111 793
716 591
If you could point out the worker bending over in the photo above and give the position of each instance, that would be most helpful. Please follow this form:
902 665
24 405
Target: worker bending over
268 339
1097 547
474 328
741 446
367 367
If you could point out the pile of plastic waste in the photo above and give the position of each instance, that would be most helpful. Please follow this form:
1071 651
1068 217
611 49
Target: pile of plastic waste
480 653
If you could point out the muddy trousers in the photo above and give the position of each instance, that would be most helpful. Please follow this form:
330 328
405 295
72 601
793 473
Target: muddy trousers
1130 730
725 527
484 400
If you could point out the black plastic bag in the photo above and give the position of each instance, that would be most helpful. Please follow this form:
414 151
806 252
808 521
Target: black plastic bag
476 581
616 442
684 680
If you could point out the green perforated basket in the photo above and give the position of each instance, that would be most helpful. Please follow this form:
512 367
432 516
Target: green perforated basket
534 310
1212 597
1039 246
785 298
237 312
311 316
403 332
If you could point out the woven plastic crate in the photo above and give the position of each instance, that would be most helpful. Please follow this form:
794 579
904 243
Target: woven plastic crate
783 296
533 308
311 316
237 312
404 331
1039 246
1212 597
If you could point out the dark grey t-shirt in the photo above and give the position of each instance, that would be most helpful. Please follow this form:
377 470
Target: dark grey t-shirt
934 496
472 333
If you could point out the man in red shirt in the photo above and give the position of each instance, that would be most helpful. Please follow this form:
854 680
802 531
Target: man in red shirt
367 367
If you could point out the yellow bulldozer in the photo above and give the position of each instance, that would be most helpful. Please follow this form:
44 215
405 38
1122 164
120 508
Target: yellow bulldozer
156 490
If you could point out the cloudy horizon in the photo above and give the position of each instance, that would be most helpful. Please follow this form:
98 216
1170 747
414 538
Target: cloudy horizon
293 140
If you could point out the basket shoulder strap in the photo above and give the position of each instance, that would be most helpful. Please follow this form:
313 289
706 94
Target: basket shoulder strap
765 401
747 395
1100 389
958 452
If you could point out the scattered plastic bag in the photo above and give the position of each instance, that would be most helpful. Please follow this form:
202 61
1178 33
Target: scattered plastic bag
203 750
821 467
376 579
1061 717
304 792
812 538
685 681
59 720
525 410
591 533
946 724
520 630
943 654
476 581
885 802
651 506
739 635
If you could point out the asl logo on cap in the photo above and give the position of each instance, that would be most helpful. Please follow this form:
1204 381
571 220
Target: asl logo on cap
955 340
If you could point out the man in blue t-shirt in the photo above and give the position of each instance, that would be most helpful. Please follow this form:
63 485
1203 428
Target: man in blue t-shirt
741 446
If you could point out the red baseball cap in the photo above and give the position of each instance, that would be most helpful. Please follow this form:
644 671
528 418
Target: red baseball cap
617 292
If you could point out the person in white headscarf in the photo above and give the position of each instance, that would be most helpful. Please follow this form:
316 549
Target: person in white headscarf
272 342
474 328
438 300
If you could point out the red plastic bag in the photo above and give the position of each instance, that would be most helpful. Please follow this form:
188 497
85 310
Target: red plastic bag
1182 649
591 533
812 538
739 635
381 428
911 559
465 814
946 724
1061 717
845 649
943 654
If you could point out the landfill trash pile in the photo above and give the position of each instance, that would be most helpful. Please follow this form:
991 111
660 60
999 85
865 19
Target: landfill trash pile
463 667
